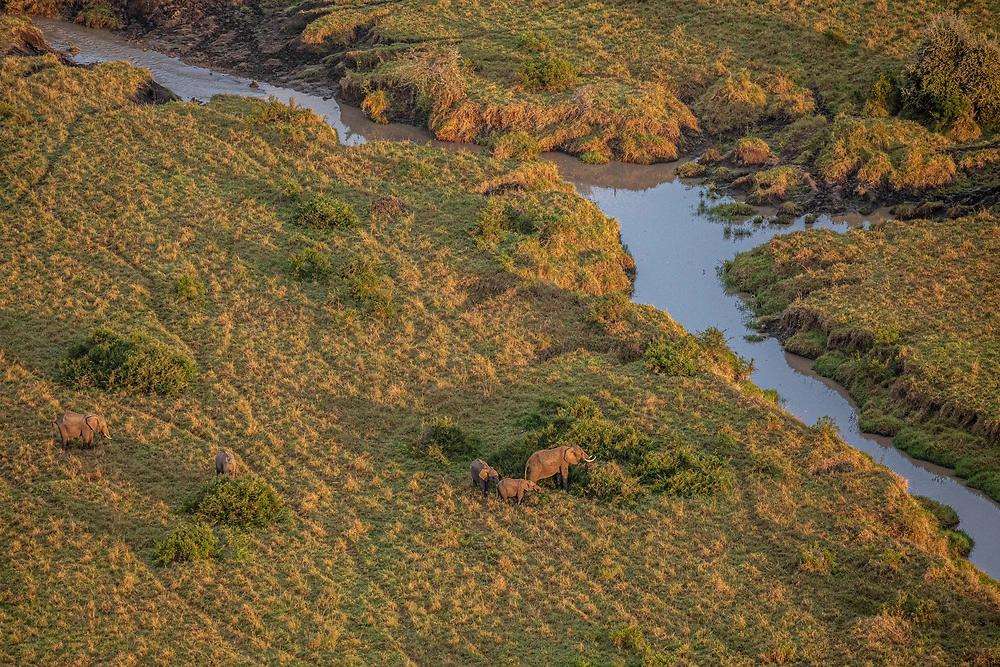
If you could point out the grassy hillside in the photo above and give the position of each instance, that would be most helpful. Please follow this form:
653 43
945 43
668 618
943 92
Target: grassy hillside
905 315
355 363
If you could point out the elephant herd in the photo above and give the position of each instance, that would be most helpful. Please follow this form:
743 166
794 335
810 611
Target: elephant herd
541 465
73 425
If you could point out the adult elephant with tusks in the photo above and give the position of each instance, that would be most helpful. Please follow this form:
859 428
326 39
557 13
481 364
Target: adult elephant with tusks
556 461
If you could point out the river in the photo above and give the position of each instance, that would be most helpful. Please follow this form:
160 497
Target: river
677 253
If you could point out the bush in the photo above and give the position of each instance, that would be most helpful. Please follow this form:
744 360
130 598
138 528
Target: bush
132 362
629 638
552 74
310 264
245 502
828 364
605 439
608 482
752 151
370 286
323 211
955 77
675 357
517 145
188 542
442 438
682 471
189 288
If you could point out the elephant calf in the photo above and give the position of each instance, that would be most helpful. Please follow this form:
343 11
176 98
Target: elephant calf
510 488
225 464
556 461
483 475
73 425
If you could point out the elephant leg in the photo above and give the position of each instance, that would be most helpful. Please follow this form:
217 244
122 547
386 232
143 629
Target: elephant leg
565 479
559 480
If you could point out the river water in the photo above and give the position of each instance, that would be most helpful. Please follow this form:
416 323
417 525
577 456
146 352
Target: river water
677 253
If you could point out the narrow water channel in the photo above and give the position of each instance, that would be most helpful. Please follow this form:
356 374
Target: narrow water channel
677 252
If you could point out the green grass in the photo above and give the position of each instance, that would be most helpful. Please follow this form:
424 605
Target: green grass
904 315
321 391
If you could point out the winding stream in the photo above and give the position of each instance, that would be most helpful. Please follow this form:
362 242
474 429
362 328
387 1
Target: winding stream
677 252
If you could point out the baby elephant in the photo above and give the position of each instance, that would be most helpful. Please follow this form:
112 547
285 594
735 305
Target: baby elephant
225 464
73 425
509 488
483 474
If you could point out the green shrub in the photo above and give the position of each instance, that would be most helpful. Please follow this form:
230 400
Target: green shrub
629 638
827 364
552 74
188 542
310 264
610 309
132 362
594 157
366 281
323 211
608 482
605 439
442 438
955 76
682 471
245 503
189 287
676 357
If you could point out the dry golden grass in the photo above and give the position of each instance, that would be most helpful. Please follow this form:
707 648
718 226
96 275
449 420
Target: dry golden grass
386 558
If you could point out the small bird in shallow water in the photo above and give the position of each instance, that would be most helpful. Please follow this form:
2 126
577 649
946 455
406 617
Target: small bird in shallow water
253 84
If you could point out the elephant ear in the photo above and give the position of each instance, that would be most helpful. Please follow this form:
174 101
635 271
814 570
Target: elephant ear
483 474
91 424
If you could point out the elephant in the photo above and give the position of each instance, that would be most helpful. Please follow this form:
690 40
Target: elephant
225 464
483 474
556 461
510 488
74 425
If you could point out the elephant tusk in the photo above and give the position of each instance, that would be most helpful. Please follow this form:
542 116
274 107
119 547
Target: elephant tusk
591 459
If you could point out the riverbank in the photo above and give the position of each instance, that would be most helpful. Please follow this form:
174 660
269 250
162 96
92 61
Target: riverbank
901 314
827 99
465 288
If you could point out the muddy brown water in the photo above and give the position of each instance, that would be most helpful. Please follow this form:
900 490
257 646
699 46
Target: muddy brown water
677 252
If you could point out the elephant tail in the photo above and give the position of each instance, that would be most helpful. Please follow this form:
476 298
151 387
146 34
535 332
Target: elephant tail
527 468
